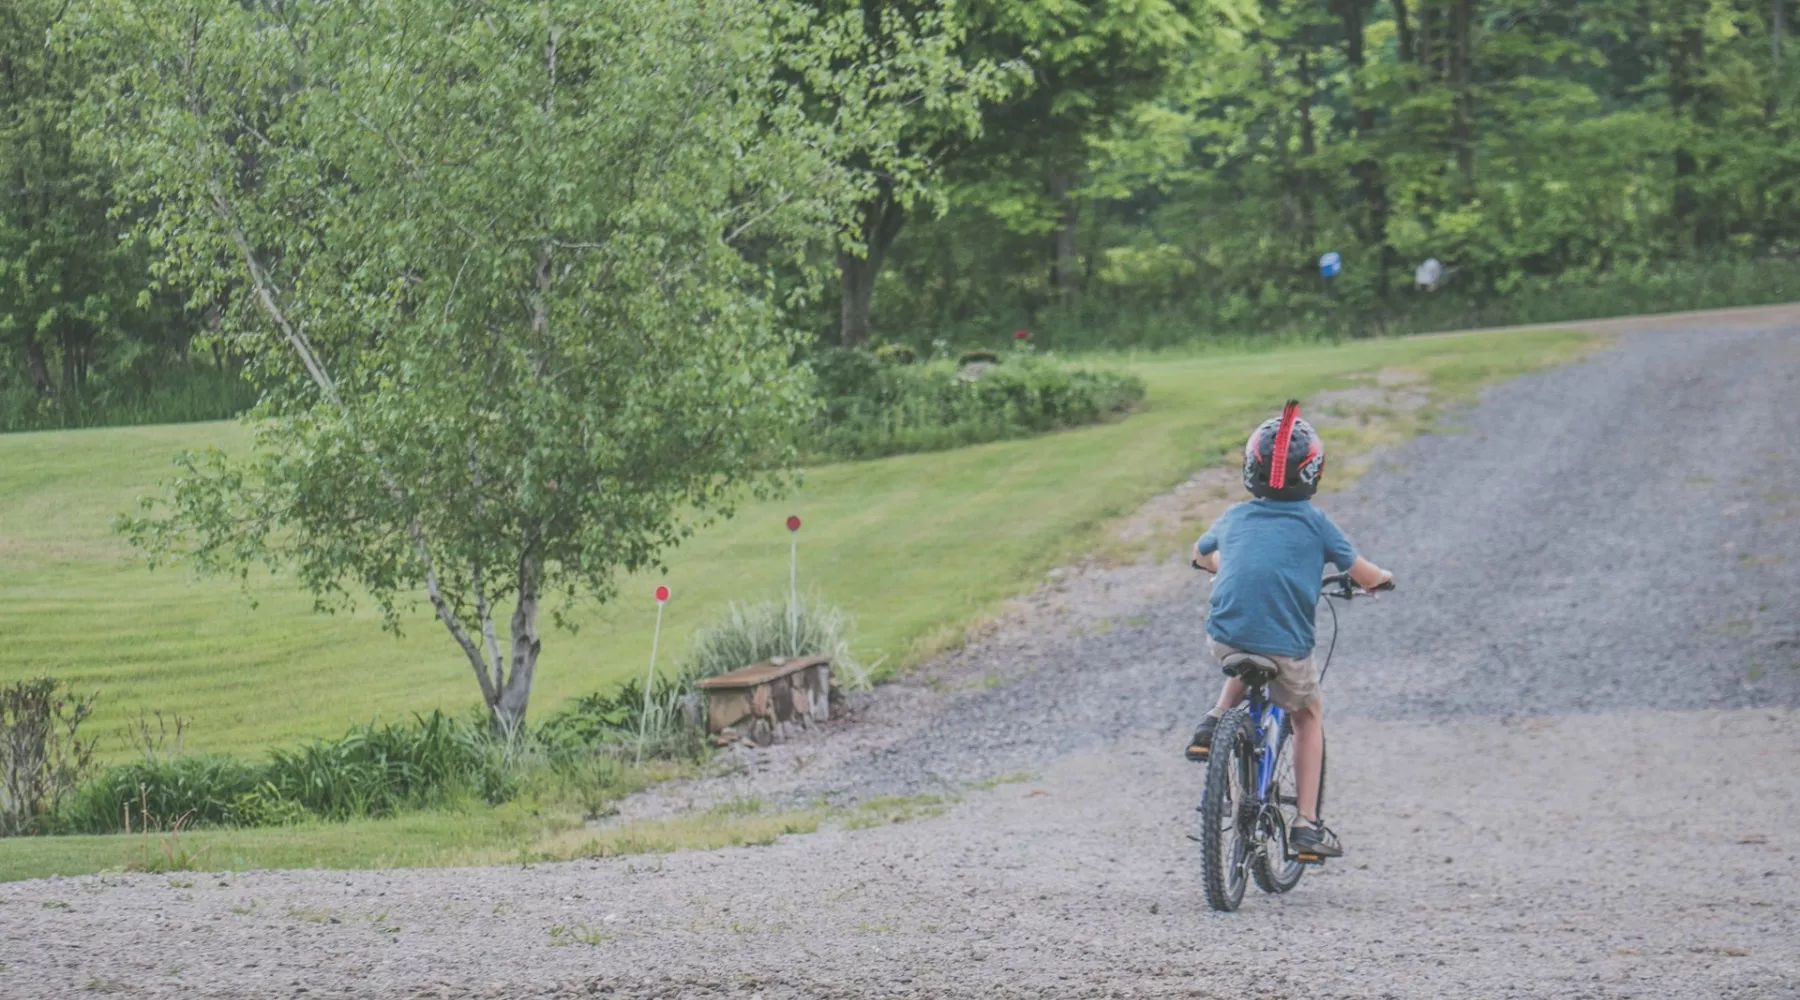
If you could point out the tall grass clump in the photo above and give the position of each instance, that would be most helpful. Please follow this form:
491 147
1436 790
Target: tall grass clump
372 771
752 633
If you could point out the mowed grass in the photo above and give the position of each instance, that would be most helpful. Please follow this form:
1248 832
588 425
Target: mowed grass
916 547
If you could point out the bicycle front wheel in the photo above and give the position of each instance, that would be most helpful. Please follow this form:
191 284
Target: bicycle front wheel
1273 869
1224 836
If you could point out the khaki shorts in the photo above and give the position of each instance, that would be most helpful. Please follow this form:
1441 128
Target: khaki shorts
1296 683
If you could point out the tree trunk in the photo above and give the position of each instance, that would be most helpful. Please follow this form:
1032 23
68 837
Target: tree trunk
1429 41
1686 55
1065 251
1301 175
1462 54
1403 28
1776 26
1371 181
40 372
881 221
513 696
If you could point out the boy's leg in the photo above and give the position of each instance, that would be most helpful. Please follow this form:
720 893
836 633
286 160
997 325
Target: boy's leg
1309 758
1200 745
1229 696
1309 838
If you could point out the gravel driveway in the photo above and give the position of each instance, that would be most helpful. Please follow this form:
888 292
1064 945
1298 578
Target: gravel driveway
1565 763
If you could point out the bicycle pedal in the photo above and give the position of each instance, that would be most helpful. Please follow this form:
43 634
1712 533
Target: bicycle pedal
1309 859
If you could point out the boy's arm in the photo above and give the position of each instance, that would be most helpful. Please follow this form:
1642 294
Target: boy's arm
1367 575
1342 554
1206 550
1208 562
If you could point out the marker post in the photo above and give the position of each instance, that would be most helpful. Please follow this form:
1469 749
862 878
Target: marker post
662 598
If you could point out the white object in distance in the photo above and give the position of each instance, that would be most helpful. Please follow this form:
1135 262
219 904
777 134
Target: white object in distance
1429 274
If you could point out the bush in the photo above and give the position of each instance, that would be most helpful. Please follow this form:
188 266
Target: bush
977 357
896 354
371 771
43 757
870 409
608 721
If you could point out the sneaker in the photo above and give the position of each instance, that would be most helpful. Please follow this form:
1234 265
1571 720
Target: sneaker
1201 745
1314 843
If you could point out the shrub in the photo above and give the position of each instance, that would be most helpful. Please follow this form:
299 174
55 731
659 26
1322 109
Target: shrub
896 354
871 410
43 757
977 357
611 720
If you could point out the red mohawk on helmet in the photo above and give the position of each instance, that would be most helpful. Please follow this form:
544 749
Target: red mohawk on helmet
1283 436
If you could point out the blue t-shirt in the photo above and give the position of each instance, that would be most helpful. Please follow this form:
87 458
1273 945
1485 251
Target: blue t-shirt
1272 555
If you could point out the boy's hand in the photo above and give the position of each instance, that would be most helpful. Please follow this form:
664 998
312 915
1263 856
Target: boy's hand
1208 562
1369 576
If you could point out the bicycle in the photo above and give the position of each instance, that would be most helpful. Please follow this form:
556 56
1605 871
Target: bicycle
1250 800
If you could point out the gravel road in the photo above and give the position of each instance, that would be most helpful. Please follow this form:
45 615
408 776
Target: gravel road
1565 763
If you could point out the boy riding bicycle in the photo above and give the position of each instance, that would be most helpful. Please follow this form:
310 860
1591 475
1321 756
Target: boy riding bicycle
1269 555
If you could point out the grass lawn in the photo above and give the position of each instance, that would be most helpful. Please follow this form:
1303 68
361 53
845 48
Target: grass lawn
915 546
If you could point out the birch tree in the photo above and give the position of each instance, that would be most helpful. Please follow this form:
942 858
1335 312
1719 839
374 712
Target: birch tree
490 287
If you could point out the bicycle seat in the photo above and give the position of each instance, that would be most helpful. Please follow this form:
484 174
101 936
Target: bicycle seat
1253 668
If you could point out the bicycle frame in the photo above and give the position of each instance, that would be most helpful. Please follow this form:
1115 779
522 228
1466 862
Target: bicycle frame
1265 721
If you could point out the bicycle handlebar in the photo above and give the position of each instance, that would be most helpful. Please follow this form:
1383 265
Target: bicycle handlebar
1346 588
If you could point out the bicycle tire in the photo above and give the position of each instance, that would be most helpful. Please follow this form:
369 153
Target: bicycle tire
1270 866
1221 810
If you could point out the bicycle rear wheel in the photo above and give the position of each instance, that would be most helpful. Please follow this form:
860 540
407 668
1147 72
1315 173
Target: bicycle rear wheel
1224 837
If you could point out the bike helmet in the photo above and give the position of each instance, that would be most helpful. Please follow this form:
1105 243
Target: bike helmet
1284 458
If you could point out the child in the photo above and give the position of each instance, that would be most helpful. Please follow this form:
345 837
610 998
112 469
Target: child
1269 554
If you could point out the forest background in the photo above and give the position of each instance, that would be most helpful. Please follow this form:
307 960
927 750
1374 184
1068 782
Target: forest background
1125 173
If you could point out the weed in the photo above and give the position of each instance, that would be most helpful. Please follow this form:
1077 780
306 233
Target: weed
1754 671
102 984
882 810
55 904
887 926
1016 778
244 909
562 935
181 883
309 915
743 928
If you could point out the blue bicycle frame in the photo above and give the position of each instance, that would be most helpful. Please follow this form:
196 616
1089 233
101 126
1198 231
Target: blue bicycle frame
1265 719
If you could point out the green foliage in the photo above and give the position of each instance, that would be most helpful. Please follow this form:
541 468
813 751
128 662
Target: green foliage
1554 156
371 771
83 333
872 409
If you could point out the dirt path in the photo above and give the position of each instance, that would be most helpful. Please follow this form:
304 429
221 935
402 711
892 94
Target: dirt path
1565 763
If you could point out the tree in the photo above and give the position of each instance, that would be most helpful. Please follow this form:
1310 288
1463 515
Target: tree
893 74
70 288
507 342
